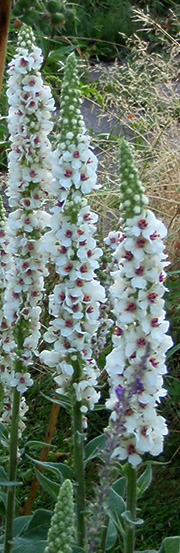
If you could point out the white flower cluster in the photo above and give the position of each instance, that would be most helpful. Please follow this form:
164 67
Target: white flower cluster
6 416
137 295
102 338
74 304
7 342
74 169
30 168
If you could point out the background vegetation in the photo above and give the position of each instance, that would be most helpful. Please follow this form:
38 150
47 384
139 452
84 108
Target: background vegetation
129 63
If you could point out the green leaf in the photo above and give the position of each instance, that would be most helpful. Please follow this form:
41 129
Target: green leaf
42 444
128 518
92 449
3 474
144 481
5 443
170 545
116 506
39 518
25 547
9 484
147 551
76 549
51 487
3 502
35 534
3 431
20 524
111 535
99 407
62 470
62 401
59 468
119 486
172 351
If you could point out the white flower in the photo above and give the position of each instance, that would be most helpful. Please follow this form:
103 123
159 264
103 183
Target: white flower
127 451
21 381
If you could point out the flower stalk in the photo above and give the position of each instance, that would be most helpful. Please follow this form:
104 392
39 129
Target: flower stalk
79 460
131 480
13 449
30 109
75 302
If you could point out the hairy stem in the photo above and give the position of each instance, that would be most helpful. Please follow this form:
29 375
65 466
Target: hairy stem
129 538
102 548
79 463
8 547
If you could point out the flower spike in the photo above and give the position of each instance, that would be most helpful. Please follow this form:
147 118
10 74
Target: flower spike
71 121
141 325
75 301
29 121
132 195
61 532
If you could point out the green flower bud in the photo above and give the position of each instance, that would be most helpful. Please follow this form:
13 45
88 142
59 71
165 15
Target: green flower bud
61 531
26 38
132 198
57 19
53 6
70 98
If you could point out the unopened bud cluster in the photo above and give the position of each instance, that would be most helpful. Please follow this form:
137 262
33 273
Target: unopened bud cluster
61 532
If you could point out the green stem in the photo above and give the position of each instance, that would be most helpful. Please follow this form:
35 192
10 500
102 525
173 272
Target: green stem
102 548
8 547
79 463
129 539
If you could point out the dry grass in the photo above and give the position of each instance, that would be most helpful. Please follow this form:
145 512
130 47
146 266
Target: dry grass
143 98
